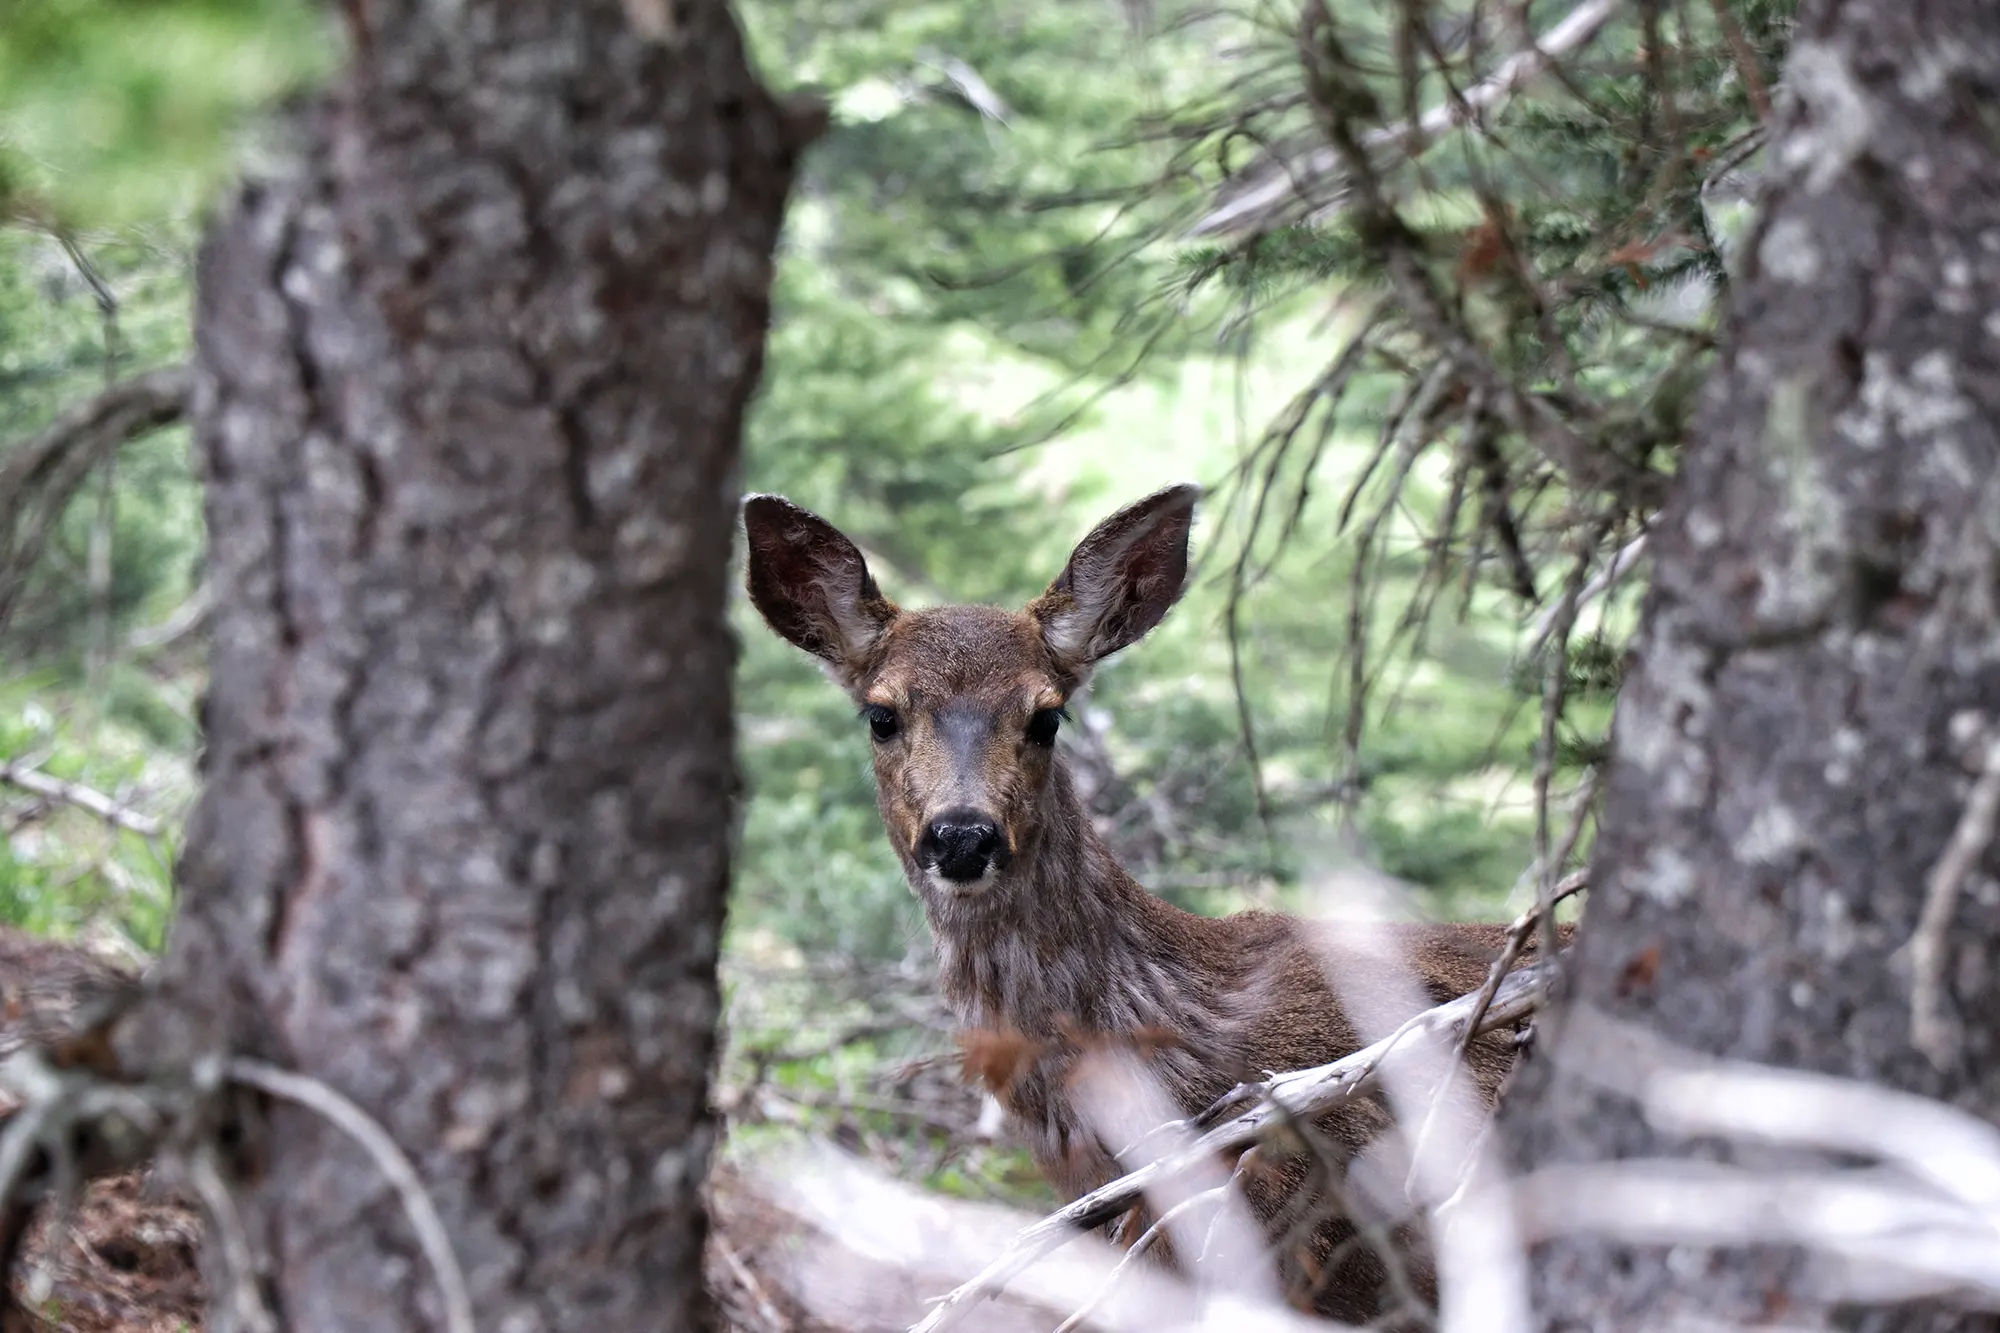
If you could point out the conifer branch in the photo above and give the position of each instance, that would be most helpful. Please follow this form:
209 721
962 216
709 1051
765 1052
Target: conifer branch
1271 192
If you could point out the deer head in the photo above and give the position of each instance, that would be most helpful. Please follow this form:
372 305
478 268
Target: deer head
963 702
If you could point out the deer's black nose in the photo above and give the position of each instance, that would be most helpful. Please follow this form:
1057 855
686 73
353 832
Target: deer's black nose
961 845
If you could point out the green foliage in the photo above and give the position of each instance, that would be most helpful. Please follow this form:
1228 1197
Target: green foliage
966 268
63 867
57 348
967 177
987 336
982 345
124 111
128 731
118 119
1283 261
814 1047
1542 292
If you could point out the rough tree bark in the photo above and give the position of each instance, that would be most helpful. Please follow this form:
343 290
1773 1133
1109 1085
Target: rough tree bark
1820 648
469 390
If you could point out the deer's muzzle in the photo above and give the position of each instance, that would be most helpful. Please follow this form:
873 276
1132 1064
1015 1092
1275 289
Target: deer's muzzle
962 845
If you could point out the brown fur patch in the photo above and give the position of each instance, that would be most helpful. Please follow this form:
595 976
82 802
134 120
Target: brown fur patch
996 1059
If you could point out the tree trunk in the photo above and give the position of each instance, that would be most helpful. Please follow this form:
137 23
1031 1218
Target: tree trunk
1820 649
469 393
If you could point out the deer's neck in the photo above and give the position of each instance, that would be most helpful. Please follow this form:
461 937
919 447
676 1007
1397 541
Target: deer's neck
1074 941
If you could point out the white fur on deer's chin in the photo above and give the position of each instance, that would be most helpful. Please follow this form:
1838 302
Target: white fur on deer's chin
961 888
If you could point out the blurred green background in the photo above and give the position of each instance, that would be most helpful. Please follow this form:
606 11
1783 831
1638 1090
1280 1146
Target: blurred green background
989 333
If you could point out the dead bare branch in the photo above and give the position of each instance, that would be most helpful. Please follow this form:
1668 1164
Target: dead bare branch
932 1238
1137 1250
389 1159
1517 938
189 618
1600 583
1918 1221
238 1293
107 808
739 1272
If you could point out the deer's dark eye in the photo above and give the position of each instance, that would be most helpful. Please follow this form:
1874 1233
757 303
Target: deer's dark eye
881 720
1042 726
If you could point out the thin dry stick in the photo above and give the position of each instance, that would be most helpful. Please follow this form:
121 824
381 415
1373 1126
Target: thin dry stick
748 1281
1600 583
1137 1248
1517 939
31 779
18 1142
1282 1100
396 1168
52 1105
1464 1186
1928 1028
238 1261
1370 1230
1235 1179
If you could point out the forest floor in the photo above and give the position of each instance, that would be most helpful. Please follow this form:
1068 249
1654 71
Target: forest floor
126 1257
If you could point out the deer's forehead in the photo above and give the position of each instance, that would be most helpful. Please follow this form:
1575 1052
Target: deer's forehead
964 653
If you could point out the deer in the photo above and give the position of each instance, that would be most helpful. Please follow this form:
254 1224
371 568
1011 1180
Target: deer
1038 931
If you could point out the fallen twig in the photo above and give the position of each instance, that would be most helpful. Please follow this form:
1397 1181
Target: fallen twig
401 1174
109 809
1517 936
1139 1247
744 1278
190 617
1517 939
875 1219
239 1293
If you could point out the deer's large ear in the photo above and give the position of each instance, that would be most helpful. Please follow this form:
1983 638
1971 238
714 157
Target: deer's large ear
812 585
1120 581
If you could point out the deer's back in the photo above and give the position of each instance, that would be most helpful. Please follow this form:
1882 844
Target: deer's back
1308 993
1325 992
1297 994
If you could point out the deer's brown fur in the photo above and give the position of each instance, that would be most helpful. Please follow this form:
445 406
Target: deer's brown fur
1052 946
